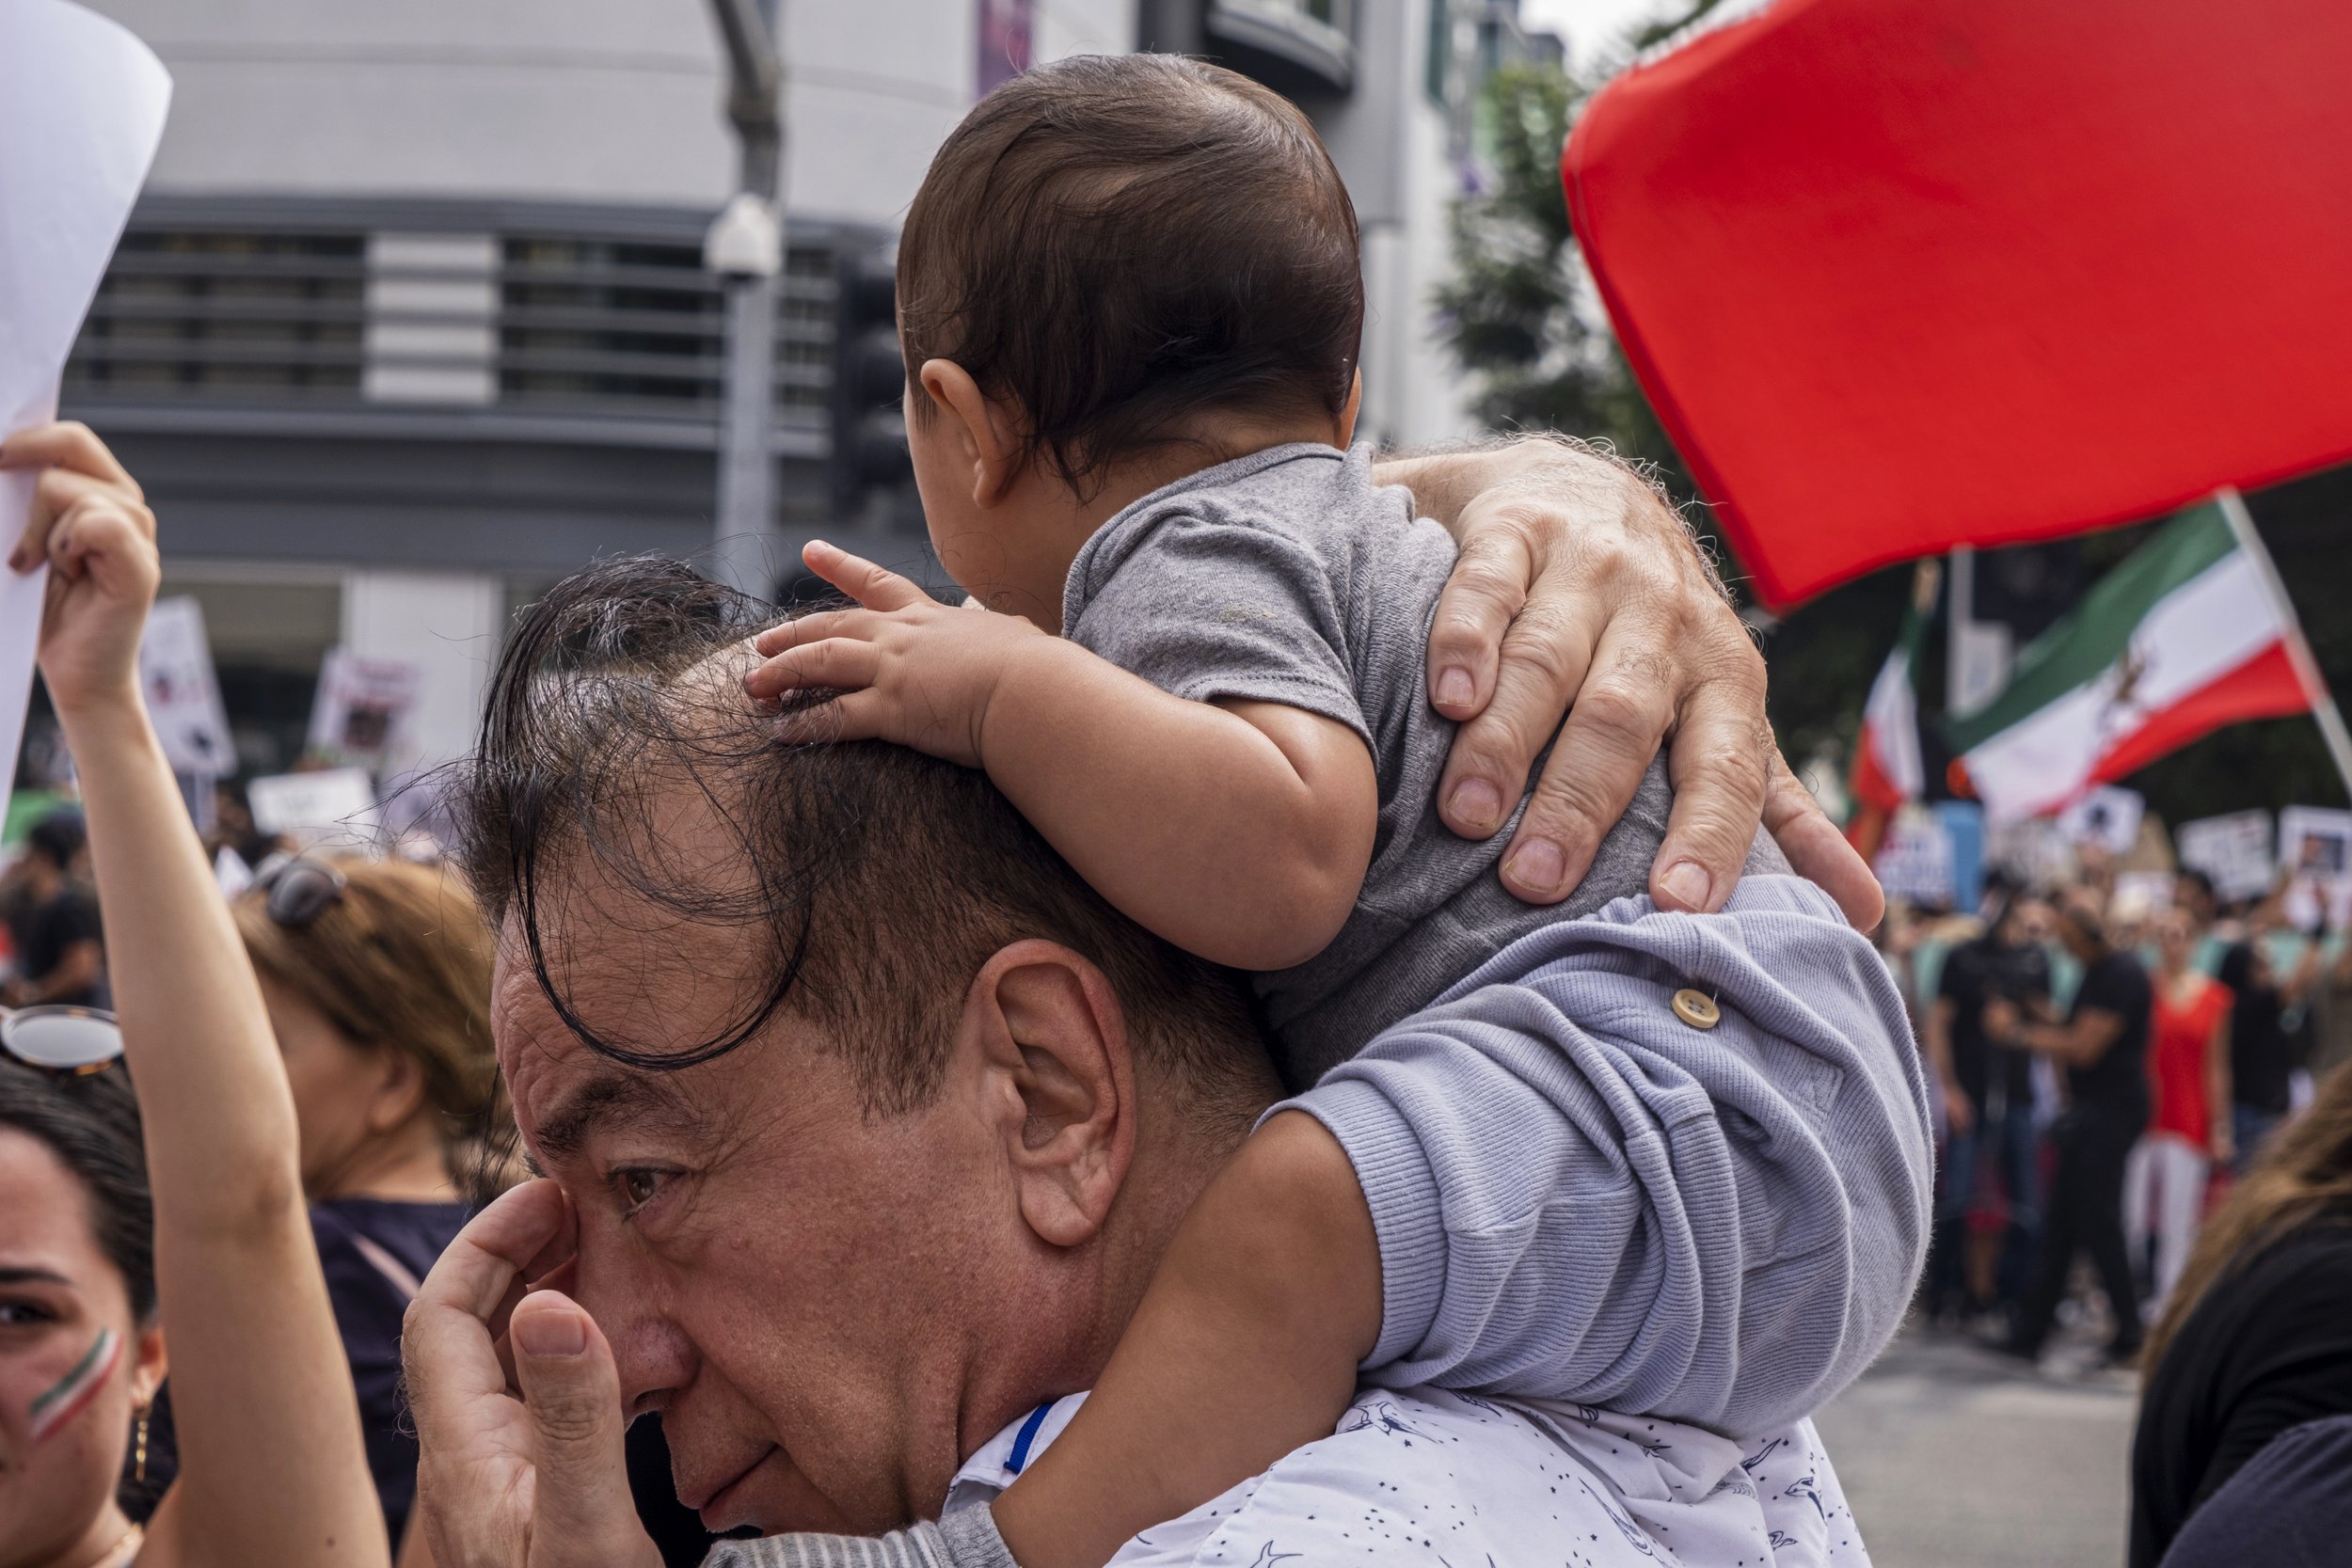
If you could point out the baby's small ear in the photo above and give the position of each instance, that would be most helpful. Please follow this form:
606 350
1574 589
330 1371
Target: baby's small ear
987 430
1355 407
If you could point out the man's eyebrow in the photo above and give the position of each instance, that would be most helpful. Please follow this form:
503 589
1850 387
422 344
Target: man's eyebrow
615 1100
32 1276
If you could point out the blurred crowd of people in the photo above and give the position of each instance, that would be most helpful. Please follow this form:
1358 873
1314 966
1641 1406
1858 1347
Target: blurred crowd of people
2107 1144
2146 1130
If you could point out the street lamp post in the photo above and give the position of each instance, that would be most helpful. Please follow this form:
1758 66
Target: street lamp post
745 248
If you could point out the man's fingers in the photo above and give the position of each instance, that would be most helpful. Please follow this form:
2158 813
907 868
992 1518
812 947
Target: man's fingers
66 443
1818 851
581 1511
474 1438
1475 613
1545 658
1719 767
868 584
511 1236
1621 713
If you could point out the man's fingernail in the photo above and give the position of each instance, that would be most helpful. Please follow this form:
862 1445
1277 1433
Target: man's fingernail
1688 884
551 1334
1537 865
1477 803
1455 689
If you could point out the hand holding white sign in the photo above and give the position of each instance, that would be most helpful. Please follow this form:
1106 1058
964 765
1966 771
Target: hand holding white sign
80 111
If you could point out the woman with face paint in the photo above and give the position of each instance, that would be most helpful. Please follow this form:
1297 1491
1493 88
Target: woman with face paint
122 1233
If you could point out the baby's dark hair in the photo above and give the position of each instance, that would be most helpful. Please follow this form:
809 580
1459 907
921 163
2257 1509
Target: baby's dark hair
91 1124
1122 242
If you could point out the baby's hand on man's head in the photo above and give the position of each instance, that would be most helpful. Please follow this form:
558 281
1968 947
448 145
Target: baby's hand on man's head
907 668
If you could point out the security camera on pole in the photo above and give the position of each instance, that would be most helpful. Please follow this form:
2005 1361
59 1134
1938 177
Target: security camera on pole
745 248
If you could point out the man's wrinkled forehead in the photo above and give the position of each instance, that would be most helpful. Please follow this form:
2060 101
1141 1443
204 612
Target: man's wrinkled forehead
639 924
608 1099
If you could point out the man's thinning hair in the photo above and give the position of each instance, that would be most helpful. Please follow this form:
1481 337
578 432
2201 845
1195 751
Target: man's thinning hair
1121 244
871 881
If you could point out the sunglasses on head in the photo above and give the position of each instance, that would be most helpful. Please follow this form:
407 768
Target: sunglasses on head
299 891
77 1040
62 1040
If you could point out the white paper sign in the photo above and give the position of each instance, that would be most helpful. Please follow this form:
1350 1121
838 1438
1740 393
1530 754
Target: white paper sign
2315 851
363 706
2031 850
2233 850
334 806
2106 816
183 694
2139 894
1915 861
81 107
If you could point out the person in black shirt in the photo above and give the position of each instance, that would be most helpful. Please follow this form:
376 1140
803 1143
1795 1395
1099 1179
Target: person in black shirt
53 920
2260 1058
1988 1100
2103 1045
2255 1343
2290 1508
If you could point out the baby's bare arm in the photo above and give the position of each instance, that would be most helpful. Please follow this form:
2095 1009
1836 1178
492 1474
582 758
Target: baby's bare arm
1238 830
1245 1348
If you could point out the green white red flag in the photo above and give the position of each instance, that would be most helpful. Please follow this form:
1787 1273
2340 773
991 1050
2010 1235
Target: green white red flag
1887 766
2189 634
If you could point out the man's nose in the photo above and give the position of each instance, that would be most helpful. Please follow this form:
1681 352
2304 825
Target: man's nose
652 1354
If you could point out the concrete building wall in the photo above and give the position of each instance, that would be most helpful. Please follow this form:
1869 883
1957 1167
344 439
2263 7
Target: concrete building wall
579 100
1392 143
427 492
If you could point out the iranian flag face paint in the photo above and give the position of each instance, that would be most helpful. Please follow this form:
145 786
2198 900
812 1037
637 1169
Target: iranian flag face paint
72 1393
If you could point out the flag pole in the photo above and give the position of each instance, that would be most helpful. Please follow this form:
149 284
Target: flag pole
2298 650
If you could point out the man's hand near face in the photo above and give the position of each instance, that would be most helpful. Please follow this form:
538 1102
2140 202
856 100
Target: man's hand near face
517 1401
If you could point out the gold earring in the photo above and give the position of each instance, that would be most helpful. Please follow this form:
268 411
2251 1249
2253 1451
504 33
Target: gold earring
139 1464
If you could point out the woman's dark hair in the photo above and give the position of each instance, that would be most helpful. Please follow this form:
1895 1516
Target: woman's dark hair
1120 244
91 1124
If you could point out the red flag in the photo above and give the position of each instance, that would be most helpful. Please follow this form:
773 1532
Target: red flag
1901 274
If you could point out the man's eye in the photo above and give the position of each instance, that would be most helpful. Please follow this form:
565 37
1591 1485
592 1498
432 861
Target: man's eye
639 1187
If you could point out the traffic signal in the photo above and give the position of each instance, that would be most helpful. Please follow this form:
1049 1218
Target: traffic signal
869 437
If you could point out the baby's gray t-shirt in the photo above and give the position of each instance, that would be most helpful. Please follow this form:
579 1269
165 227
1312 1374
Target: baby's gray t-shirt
1290 577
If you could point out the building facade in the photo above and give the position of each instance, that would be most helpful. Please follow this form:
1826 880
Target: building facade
413 319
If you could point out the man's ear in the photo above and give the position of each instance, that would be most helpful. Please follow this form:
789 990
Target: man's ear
1053 1044
1355 407
985 428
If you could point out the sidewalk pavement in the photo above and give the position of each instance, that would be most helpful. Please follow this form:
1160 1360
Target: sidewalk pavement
1955 1457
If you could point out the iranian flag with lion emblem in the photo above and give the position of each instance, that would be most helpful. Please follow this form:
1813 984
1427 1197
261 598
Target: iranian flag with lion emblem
2191 633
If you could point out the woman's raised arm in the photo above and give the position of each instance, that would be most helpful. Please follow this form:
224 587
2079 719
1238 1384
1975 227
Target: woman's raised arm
272 1472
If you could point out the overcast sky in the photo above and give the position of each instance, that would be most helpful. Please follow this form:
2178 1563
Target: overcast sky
1589 25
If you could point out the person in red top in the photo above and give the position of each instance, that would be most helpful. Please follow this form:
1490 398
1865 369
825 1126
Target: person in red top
2188 1075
